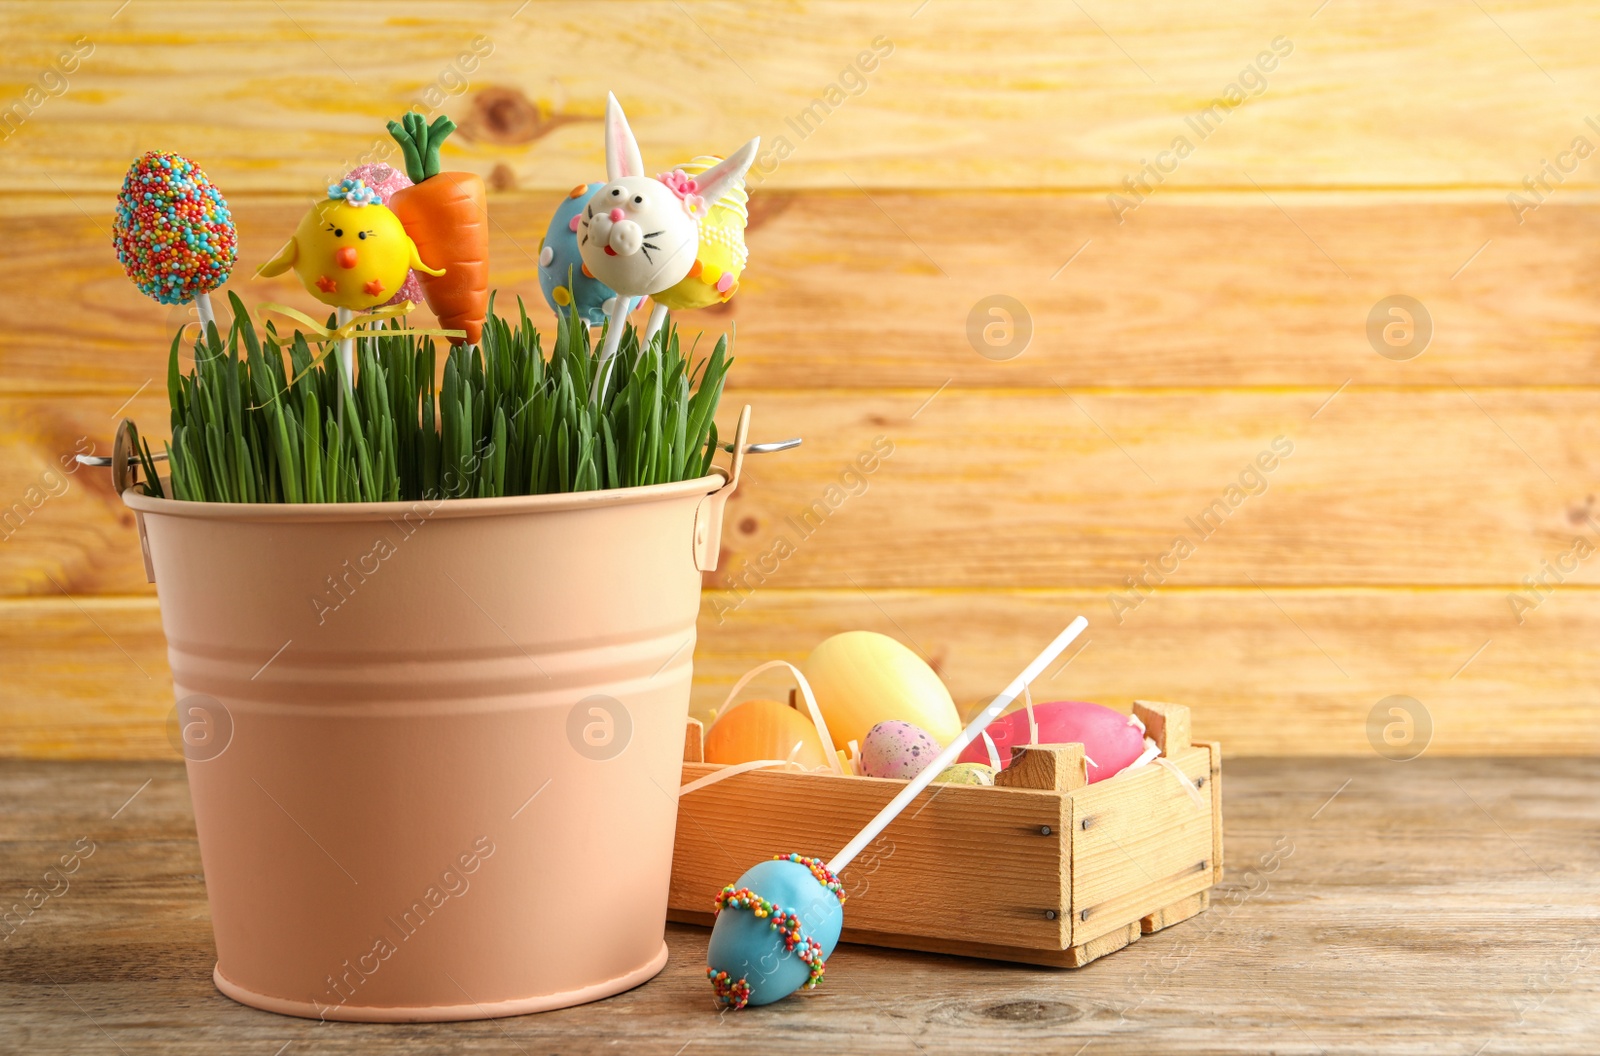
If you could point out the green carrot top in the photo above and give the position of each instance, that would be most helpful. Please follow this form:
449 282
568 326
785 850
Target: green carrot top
420 141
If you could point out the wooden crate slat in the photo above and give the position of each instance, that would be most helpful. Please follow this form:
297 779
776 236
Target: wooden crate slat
1139 842
1176 913
1215 748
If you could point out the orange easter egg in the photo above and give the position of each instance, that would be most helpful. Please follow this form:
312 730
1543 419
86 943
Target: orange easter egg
763 729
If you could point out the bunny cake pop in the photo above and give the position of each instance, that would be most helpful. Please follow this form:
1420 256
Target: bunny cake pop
777 925
173 233
563 276
350 251
640 235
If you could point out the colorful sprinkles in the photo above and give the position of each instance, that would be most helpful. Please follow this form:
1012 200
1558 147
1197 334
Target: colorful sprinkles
819 870
735 993
173 232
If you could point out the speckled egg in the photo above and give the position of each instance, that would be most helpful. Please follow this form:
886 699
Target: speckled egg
897 749
966 774
568 287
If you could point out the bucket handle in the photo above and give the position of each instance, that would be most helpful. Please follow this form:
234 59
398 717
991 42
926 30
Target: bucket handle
708 515
124 464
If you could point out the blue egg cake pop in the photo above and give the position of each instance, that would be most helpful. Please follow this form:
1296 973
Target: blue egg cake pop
567 284
776 927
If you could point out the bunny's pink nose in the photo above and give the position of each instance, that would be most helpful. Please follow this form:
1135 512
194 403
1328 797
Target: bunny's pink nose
617 214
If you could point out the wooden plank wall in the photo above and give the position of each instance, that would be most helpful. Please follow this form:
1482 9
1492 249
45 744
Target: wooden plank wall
1213 314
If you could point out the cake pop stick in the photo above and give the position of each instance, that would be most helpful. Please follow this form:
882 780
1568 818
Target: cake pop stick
639 235
658 318
347 359
173 233
795 903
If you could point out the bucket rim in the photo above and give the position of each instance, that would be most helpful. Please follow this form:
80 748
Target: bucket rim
336 512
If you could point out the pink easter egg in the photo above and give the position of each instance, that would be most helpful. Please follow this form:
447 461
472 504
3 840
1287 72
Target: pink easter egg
388 181
1109 738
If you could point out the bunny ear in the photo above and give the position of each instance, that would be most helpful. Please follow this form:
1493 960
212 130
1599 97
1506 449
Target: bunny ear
725 175
622 150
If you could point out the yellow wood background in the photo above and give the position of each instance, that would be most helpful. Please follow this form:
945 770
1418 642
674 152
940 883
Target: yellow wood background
974 158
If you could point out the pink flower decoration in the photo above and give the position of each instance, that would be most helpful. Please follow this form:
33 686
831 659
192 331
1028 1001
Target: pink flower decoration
684 186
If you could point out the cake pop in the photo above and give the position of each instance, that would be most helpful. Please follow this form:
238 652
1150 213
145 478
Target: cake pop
350 251
777 924
640 235
173 233
563 276
720 259
448 214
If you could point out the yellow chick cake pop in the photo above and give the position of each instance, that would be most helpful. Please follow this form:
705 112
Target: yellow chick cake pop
714 275
350 251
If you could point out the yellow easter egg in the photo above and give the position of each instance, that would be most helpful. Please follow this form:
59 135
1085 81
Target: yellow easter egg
763 729
861 678
714 276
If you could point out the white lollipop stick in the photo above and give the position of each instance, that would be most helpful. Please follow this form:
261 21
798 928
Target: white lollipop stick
945 758
619 316
202 304
347 360
658 316
347 347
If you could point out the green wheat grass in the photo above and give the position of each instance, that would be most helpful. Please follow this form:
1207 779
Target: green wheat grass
258 418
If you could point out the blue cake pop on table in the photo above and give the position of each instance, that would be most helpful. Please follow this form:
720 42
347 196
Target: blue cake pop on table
567 285
778 924
769 944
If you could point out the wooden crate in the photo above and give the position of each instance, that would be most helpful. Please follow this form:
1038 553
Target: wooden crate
1042 868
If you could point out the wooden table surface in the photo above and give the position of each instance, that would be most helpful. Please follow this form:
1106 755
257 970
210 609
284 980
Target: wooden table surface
1438 905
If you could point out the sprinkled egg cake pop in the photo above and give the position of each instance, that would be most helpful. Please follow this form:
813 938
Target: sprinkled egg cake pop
565 279
173 233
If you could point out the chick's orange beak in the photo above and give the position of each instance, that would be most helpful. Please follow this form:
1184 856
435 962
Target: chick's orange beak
346 257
